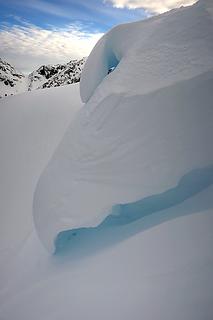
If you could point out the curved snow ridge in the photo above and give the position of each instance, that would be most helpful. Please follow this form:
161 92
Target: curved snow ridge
151 54
126 149
122 214
146 124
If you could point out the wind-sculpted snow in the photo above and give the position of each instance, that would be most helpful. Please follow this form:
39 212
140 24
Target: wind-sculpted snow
145 126
123 214
126 200
124 150
151 54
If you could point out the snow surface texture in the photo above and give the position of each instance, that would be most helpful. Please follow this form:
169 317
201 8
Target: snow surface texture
141 132
159 52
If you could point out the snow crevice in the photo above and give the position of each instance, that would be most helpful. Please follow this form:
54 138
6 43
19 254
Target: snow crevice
189 185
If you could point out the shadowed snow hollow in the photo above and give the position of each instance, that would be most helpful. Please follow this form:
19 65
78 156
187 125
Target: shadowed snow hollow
144 127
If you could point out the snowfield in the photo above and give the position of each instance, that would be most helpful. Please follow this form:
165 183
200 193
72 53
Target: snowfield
141 131
31 126
162 272
120 189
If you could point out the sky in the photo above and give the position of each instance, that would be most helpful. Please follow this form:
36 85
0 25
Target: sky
36 32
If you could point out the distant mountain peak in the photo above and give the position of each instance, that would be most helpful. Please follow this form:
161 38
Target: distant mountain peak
11 81
46 76
70 73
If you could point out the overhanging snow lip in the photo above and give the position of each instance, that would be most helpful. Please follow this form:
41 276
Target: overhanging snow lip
103 57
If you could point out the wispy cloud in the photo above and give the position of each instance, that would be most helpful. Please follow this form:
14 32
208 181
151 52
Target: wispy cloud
49 8
28 46
153 6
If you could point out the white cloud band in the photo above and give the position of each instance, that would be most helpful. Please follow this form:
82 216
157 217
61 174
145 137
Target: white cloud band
153 6
28 46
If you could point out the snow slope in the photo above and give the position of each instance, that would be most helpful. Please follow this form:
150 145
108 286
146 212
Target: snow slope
31 126
144 270
140 132
149 259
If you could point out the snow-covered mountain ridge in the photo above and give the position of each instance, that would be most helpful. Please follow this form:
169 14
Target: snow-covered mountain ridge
47 76
56 75
11 81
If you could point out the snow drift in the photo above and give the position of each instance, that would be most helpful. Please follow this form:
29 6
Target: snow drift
141 131
126 201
